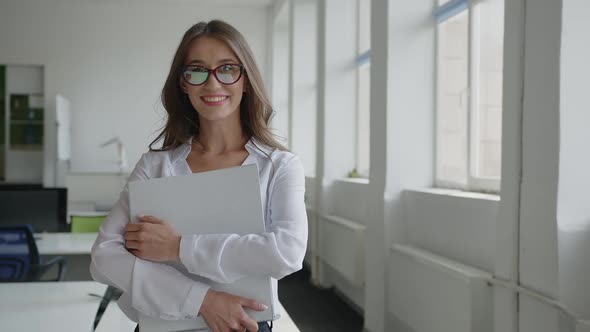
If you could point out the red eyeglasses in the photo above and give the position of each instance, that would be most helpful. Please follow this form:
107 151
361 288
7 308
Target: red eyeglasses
225 74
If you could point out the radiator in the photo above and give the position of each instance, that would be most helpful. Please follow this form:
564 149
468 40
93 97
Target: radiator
430 293
342 248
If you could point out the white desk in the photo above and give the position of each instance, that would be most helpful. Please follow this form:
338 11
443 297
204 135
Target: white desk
74 247
49 306
114 320
66 306
65 243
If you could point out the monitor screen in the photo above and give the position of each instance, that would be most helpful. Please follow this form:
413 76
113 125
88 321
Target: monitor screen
44 208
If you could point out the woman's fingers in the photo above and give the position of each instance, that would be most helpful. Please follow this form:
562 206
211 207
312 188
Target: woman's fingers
249 324
245 320
150 219
133 227
225 312
130 244
133 236
252 304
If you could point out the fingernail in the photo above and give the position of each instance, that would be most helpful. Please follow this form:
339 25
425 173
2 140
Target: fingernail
264 307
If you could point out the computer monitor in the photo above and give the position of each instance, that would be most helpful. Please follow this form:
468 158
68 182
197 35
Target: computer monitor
44 208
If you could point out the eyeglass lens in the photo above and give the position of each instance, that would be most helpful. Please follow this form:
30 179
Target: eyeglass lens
226 74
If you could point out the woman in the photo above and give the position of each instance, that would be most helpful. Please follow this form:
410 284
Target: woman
218 115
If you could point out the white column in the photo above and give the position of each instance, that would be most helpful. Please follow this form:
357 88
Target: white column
573 210
539 175
540 152
336 103
507 229
402 122
376 242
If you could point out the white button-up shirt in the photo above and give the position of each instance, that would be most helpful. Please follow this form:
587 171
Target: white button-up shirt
160 290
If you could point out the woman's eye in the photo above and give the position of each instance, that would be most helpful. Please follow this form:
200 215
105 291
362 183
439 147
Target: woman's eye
226 68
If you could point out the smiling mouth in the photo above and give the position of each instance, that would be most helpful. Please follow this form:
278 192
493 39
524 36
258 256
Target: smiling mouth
215 99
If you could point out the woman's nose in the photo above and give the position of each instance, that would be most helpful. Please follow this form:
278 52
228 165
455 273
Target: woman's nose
212 82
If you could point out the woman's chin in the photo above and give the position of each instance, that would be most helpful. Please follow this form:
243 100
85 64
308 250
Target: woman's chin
215 115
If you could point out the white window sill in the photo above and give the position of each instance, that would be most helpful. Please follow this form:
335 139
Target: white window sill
457 193
354 180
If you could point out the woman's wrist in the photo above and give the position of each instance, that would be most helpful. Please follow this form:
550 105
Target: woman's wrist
206 300
175 249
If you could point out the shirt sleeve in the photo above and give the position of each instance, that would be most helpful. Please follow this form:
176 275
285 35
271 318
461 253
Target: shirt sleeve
225 258
155 289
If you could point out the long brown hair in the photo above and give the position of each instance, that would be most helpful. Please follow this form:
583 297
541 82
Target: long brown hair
183 120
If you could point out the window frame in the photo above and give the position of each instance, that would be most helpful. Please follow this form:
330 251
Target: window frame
474 183
362 59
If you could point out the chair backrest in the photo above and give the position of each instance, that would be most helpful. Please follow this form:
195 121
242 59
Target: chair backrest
86 224
18 252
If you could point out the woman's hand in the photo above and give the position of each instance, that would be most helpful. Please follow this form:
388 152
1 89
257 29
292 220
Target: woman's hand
224 312
152 239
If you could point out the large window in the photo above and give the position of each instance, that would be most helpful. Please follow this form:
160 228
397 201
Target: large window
304 83
469 94
363 88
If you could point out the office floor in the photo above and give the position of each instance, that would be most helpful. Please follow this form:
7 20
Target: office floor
316 310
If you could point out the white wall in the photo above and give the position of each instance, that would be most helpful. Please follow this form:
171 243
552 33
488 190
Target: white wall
348 199
97 191
457 227
110 59
573 210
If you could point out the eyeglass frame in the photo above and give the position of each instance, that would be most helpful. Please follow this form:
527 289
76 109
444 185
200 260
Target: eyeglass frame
213 71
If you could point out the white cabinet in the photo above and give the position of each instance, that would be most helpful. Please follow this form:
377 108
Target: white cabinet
23 125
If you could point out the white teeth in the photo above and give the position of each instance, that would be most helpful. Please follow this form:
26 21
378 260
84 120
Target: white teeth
214 99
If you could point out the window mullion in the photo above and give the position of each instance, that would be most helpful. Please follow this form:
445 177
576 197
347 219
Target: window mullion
472 96
357 101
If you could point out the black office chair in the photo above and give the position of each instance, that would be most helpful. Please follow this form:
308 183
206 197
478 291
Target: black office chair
19 256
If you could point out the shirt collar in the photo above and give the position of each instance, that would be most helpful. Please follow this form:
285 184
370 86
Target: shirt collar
182 151
253 146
